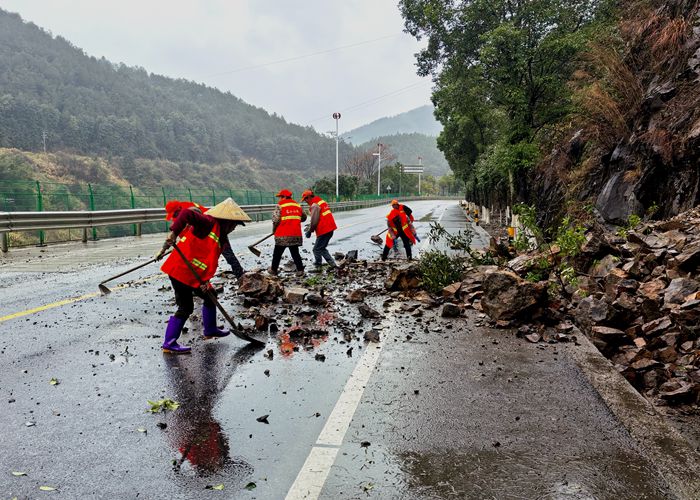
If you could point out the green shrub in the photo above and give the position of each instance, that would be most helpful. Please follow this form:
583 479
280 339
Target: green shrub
437 270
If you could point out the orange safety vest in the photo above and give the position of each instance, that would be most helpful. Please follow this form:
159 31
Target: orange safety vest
203 254
326 223
290 219
410 217
392 233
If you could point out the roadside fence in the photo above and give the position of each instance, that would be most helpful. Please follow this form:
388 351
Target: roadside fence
33 212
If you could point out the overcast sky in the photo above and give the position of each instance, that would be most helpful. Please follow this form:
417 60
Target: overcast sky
234 45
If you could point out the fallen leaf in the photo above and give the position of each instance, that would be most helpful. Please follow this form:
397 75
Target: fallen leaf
251 486
163 405
218 487
141 429
368 487
263 419
53 381
47 488
14 473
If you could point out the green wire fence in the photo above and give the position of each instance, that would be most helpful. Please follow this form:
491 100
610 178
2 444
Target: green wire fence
40 196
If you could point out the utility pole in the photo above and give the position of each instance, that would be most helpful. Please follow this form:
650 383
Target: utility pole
379 168
43 138
336 116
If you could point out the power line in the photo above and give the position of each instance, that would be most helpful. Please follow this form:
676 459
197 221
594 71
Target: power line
312 54
373 100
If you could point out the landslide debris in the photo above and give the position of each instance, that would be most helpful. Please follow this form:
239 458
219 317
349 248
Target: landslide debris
636 295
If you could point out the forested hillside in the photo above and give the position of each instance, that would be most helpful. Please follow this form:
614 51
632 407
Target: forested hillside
91 106
408 147
419 120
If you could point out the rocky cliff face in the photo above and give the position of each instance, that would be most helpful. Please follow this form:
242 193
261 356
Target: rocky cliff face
636 142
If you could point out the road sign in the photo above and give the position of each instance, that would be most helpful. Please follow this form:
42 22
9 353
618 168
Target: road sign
412 169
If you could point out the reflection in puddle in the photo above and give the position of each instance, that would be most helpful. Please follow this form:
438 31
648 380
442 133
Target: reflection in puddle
309 334
197 381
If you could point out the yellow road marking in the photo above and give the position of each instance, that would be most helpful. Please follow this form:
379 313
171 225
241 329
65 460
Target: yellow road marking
72 300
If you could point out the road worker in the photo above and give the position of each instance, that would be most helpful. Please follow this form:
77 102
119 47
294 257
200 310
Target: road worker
323 223
399 226
172 210
201 239
286 225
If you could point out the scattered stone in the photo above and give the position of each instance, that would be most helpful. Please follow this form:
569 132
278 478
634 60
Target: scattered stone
372 336
367 312
452 290
263 419
295 295
315 299
356 296
450 310
320 357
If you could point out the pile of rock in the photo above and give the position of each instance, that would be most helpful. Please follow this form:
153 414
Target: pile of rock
640 304
637 298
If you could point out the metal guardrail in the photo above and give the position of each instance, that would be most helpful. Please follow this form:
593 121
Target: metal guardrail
86 219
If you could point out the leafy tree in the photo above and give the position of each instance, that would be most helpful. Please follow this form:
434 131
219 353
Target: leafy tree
500 69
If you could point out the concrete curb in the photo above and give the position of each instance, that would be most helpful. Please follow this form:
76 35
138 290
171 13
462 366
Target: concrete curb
676 460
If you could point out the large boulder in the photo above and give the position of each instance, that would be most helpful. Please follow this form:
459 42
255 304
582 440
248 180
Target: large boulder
405 277
678 290
507 296
256 284
617 201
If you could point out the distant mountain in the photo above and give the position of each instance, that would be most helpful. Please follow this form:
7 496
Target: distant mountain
55 96
408 147
419 120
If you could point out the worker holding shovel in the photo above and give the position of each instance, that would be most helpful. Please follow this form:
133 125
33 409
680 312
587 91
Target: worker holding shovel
323 224
399 225
172 210
202 238
286 226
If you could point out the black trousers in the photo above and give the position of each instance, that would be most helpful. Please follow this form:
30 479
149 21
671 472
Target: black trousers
277 256
184 298
232 260
406 245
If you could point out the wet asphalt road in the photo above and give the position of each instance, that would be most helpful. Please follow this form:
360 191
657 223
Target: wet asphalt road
492 418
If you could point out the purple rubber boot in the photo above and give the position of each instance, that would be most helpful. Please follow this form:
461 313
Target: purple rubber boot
209 323
172 333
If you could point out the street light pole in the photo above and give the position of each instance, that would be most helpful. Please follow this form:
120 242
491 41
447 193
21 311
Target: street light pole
379 169
337 179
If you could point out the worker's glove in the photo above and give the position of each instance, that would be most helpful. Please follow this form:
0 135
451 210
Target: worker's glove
207 287
307 234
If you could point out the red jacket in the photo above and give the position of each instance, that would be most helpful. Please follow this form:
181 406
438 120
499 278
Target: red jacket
400 217
290 218
201 242
326 223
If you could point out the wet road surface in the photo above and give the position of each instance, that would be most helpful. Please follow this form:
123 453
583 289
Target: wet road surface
523 424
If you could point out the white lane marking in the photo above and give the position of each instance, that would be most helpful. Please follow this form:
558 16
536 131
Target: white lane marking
312 476
339 421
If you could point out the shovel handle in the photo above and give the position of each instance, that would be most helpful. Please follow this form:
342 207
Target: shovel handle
216 302
261 240
154 259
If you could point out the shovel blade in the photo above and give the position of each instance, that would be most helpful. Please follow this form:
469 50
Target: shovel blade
255 251
376 239
104 290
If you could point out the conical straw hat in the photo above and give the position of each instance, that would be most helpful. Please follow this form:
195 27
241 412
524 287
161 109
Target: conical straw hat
229 210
